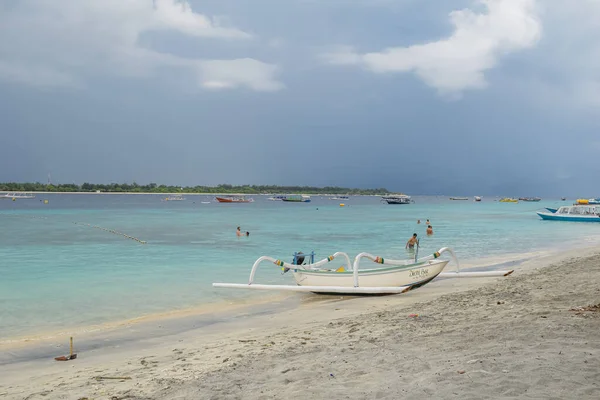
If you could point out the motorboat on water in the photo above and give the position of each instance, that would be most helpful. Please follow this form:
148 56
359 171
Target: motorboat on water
588 201
477 198
397 199
297 198
17 195
276 198
339 198
393 276
459 198
535 199
575 213
508 200
234 199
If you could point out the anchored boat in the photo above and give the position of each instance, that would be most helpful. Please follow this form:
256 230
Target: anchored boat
297 198
174 197
576 213
397 199
534 199
394 276
17 195
233 199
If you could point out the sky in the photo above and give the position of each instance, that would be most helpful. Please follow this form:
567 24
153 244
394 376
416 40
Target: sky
456 97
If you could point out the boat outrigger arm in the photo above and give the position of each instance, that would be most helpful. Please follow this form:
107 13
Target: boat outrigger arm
411 267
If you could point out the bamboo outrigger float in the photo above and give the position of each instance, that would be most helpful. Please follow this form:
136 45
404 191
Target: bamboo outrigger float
397 276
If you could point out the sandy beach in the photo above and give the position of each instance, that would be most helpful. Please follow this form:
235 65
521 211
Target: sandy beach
531 335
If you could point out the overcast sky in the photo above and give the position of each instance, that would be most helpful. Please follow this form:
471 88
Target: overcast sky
420 96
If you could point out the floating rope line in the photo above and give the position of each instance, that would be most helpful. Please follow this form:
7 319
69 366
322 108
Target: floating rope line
22 216
112 231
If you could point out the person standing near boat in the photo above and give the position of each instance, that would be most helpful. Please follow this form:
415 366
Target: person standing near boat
412 241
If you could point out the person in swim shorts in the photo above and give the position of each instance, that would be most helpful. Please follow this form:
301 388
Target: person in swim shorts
412 241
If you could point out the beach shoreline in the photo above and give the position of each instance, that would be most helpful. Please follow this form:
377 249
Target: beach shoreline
487 337
256 301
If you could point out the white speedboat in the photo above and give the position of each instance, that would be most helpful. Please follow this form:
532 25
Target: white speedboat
17 195
397 199
477 198
394 276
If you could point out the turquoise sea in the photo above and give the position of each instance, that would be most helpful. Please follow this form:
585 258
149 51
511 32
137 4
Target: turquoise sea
57 272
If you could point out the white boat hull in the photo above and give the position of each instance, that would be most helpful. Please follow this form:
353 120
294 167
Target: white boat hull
412 275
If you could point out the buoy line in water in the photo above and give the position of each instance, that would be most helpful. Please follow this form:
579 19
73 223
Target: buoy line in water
112 231
22 216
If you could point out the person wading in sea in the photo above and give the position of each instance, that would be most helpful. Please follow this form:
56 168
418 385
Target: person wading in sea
412 241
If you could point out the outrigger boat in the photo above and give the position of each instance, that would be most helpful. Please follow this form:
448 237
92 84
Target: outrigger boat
396 276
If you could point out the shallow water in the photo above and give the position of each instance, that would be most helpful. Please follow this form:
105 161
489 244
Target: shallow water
59 273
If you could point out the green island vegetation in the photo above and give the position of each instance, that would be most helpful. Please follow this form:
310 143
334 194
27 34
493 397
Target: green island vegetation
155 188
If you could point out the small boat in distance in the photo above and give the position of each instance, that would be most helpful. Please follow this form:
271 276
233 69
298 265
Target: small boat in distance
459 198
174 197
17 195
588 201
278 197
563 198
339 198
530 199
576 213
397 199
508 200
297 198
477 198
234 199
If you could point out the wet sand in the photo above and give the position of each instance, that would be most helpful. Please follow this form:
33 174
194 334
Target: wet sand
529 335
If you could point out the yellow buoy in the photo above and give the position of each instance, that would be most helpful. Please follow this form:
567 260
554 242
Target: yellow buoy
583 201
342 204
14 199
45 201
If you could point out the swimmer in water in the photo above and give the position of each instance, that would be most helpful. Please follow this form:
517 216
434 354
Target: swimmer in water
429 230
412 241
238 232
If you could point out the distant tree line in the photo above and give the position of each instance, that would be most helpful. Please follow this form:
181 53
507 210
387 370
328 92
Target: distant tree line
155 188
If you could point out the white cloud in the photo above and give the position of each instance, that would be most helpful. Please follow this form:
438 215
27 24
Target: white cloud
218 74
53 43
458 63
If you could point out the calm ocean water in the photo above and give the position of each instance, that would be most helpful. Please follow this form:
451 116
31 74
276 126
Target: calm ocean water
58 273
